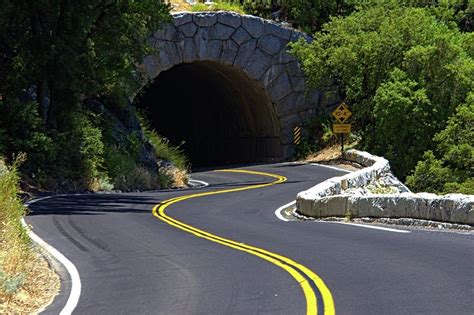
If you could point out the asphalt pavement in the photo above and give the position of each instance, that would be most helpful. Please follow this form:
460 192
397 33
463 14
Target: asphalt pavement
132 262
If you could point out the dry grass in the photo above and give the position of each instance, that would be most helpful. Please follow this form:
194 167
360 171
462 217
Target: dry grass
39 289
331 156
26 281
179 177
179 5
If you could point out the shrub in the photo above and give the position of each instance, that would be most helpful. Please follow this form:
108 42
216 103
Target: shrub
14 241
80 154
22 132
451 170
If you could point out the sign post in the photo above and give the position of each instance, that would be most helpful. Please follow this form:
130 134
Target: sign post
342 114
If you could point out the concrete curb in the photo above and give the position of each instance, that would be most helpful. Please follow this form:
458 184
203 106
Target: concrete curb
331 198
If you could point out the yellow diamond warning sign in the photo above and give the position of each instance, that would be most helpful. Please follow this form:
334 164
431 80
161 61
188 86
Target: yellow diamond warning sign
342 113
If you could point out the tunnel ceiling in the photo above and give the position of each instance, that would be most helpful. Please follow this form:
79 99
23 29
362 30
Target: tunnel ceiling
226 85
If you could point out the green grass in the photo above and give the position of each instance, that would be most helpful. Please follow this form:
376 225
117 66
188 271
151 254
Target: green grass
164 150
218 6
162 147
14 241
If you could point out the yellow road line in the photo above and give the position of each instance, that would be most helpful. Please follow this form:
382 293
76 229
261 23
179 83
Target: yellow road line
293 268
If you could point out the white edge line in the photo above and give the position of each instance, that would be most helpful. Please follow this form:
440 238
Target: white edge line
203 183
75 293
282 208
373 227
331 167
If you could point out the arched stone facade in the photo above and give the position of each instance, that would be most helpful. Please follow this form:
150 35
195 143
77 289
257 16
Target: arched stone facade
255 46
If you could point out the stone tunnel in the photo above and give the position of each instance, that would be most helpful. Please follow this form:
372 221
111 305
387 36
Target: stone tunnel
225 87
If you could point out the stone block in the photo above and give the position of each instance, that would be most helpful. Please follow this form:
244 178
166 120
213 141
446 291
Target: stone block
280 87
332 206
205 19
220 31
278 30
168 33
291 104
271 44
241 36
253 25
293 69
283 57
272 73
151 66
257 64
174 53
214 50
182 18
298 83
245 51
189 49
188 29
164 60
230 18
313 96
201 41
229 52
287 124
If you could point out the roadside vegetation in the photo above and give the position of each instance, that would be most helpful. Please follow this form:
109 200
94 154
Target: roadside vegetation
66 71
26 282
406 69
219 5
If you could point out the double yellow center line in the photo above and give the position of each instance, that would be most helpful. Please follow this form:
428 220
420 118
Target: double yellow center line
307 279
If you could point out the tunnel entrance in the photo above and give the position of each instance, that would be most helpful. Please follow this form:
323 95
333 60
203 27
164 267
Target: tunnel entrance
218 114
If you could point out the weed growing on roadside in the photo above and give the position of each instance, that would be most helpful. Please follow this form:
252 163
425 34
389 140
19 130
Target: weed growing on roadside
14 241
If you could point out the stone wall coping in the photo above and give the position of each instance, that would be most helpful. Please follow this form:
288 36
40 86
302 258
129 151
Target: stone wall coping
328 198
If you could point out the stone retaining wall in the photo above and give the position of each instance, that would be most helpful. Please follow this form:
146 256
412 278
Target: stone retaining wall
332 198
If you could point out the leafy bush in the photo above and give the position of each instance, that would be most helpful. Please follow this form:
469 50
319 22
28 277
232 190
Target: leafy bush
78 157
125 172
305 148
403 117
14 241
451 169
23 132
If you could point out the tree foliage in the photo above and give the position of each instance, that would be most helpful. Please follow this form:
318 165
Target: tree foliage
54 54
402 69
450 168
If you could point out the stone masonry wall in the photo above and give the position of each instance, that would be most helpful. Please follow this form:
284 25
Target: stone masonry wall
253 45
336 197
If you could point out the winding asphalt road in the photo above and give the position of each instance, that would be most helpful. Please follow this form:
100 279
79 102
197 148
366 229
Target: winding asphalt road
133 260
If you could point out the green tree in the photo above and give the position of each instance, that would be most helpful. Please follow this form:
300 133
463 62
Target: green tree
388 62
450 168
54 54
403 115
311 15
70 49
307 15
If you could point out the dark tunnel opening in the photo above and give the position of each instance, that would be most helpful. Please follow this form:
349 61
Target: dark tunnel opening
219 114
